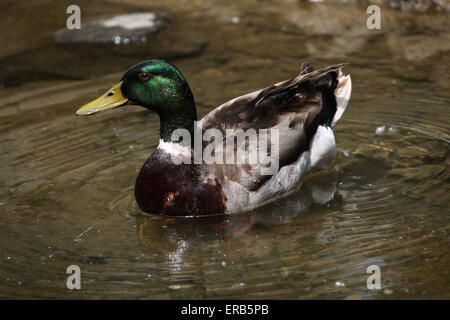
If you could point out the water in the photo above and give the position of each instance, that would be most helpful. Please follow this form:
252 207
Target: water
66 184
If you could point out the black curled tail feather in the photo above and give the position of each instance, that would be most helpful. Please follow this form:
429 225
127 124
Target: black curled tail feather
326 86
324 80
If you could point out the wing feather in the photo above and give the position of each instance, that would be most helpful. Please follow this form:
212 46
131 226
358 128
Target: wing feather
292 106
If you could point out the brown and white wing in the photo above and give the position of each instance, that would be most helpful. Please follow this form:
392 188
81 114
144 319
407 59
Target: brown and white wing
292 107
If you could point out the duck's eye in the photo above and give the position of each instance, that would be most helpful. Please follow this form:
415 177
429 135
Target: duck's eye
143 76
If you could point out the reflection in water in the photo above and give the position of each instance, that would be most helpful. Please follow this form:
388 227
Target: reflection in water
181 243
66 187
184 233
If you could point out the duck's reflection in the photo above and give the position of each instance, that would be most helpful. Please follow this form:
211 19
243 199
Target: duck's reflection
176 235
193 250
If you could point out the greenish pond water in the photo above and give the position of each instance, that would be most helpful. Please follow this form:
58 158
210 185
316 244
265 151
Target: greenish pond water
66 183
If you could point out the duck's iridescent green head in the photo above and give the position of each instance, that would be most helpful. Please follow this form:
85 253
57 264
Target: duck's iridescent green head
156 85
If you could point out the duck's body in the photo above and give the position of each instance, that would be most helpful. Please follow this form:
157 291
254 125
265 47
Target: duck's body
302 110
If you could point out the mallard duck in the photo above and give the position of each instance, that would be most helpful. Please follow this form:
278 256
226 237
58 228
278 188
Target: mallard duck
303 110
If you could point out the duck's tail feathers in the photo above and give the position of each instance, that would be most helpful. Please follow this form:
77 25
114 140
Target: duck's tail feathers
342 94
334 89
326 84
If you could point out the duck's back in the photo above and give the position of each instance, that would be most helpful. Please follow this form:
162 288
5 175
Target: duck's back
301 110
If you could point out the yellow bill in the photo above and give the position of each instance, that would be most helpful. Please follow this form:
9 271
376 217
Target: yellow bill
113 98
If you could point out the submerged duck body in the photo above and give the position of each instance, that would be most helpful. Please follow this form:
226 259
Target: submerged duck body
303 110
